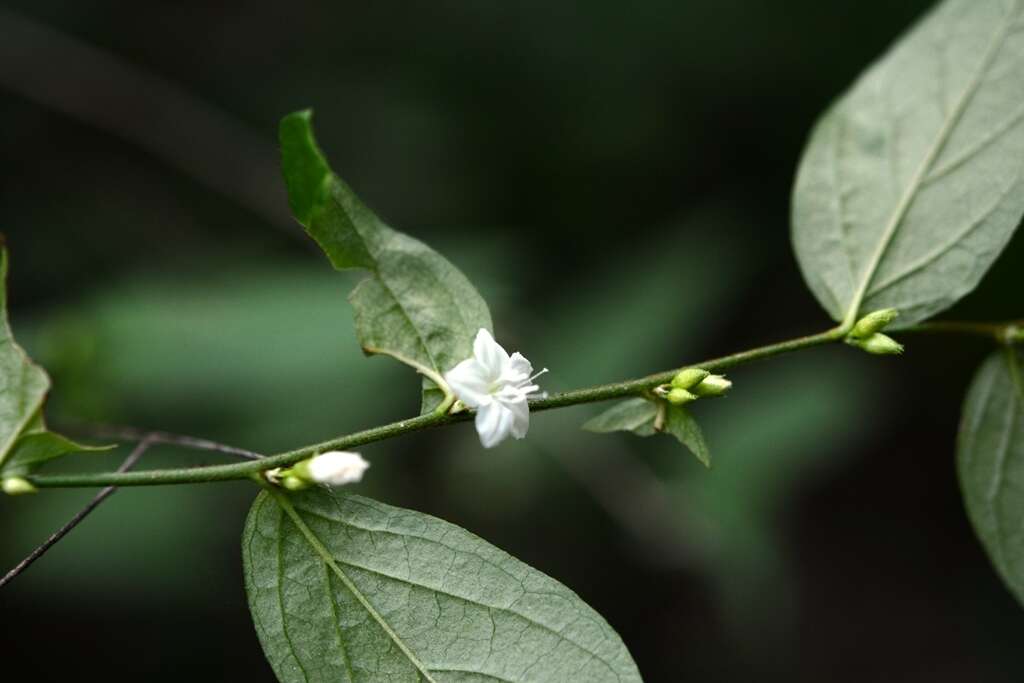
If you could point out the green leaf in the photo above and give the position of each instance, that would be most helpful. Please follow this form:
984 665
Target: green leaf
23 384
638 415
912 183
990 463
634 415
36 445
415 305
680 424
343 588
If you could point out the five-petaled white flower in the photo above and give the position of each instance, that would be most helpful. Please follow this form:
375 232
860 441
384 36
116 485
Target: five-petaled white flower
336 468
497 386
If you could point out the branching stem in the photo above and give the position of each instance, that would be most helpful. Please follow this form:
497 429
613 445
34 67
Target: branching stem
1003 332
243 470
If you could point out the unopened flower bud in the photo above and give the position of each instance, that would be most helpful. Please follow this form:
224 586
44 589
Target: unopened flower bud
679 397
879 344
18 486
713 385
689 377
293 483
873 322
334 468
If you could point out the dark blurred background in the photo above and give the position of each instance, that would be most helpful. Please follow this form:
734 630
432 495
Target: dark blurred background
615 179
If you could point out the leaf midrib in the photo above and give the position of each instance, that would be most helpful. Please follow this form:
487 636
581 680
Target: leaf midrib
328 559
510 608
908 196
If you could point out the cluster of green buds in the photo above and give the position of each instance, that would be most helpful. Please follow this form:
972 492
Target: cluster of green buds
689 384
867 333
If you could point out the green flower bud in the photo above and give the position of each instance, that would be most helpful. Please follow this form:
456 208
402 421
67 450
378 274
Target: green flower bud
301 470
878 344
17 486
293 483
689 377
679 397
873 322
713 385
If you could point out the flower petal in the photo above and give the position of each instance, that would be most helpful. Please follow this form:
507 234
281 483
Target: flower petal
520 411
337 468
493 423
519 369
490 355
469 382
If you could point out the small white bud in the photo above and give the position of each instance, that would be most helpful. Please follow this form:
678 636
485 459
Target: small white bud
334 468
878 344
713 385
17 486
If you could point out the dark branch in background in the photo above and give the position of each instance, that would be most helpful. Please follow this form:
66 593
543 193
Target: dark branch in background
91 85
128 463
133 434
145 440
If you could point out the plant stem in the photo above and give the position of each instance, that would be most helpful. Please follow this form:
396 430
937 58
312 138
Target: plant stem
243 470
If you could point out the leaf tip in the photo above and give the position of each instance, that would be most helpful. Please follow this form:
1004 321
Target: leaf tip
303 164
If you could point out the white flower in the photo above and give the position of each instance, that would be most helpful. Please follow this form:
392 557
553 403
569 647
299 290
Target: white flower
336 468
497 386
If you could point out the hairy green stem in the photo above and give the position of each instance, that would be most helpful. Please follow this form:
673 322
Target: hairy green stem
243 470
1002 332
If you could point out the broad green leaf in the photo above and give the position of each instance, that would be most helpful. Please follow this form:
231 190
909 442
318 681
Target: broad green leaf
680 424
368 592
415 305
638 415
634 415
990 461
912 183
23 384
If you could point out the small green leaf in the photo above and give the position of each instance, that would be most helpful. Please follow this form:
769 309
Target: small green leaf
36 445
23 384
990 463
638 415
913 182
343 588
415 306
634 415
680 424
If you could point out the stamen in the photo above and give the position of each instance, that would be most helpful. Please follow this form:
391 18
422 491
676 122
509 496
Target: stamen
538 374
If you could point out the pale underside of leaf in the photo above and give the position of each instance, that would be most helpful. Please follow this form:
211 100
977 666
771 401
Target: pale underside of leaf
639 415
633 415
415 305
400 596
912 183
990 462
680 424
